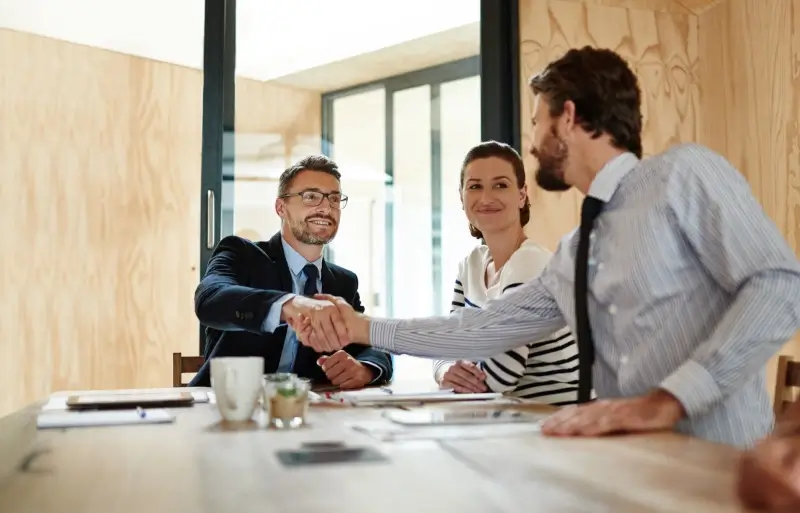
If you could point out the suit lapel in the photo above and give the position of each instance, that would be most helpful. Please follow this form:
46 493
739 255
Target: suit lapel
328 281
274 249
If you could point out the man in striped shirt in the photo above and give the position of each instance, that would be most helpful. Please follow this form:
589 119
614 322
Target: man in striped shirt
690 288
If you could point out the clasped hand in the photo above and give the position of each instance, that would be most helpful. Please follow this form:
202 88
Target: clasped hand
323 322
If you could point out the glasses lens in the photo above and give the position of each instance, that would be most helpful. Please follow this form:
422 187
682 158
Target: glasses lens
312 198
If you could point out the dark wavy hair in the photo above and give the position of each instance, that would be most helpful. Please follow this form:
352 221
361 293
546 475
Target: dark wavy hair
603 88
505 152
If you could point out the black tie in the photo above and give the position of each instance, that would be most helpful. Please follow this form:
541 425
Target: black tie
311 273
590 209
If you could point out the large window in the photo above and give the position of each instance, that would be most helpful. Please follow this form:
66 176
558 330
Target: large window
400 142
395 107
396 102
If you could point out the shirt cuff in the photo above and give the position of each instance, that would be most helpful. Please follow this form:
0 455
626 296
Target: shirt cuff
440 367
382 332
376 370
694 387
273 319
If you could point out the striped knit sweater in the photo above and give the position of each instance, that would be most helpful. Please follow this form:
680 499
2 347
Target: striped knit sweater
544 370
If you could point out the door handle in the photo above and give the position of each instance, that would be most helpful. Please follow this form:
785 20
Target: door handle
210 220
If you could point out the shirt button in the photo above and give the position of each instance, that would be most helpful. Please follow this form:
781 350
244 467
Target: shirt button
612 309
623 359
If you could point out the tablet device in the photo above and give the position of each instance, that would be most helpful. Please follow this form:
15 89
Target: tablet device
129 400
306 456
430 417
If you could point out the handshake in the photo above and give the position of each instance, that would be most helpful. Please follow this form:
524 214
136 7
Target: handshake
325 323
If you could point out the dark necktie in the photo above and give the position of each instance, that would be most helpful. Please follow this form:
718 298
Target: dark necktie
312 273
590 209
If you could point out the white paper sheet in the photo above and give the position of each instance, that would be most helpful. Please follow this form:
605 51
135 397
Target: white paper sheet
69 419
387 432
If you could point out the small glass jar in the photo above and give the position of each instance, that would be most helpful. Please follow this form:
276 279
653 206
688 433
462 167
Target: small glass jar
288 404
268 385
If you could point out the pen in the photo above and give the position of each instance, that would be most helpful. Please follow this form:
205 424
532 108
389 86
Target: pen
142 414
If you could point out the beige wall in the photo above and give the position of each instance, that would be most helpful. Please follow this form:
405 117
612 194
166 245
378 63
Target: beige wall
725 73
100 212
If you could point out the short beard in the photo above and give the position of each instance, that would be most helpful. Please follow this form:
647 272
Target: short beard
302 234
552 159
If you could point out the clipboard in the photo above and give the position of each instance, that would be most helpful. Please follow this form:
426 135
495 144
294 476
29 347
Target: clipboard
130 400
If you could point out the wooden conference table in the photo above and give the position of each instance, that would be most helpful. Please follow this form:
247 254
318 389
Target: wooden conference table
198 464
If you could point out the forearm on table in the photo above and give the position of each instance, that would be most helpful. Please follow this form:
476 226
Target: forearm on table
763 317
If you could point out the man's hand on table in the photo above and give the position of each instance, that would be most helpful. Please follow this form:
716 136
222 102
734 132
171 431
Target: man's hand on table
658 410
314 331
345 371
464 378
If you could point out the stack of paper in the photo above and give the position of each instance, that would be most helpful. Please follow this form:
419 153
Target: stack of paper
378 396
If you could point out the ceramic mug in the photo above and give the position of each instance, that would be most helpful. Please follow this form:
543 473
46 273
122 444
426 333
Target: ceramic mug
237 386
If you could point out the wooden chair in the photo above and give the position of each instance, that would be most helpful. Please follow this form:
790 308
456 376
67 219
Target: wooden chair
184 365
787 377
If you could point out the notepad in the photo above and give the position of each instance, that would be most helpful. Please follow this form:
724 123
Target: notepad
374 396
71 419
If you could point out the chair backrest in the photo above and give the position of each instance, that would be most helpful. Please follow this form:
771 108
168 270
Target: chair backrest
184 365
787 378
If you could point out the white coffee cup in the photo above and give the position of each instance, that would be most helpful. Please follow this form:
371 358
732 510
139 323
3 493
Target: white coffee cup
237 386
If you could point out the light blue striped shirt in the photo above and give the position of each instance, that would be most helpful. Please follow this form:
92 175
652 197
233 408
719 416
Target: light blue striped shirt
692 289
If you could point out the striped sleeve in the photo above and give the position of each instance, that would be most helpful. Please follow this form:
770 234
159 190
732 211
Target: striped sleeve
742 249
525 312
504 371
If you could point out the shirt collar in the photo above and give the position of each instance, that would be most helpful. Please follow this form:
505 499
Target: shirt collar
607 181
296 261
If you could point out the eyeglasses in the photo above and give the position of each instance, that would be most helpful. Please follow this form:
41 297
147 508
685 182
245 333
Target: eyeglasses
314 198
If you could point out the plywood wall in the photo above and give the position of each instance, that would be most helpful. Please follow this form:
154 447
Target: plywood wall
725 73
660 45
100 212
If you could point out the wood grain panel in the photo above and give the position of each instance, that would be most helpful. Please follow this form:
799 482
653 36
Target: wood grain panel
674 6
750 105
100 211
661 47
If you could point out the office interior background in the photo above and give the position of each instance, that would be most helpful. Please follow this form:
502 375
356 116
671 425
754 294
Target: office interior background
134 135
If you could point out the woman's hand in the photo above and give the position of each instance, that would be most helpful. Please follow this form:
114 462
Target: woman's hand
464 378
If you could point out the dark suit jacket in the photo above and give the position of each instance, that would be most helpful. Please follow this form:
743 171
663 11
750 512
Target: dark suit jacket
242 282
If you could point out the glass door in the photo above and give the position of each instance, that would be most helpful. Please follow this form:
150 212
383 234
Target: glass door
383 107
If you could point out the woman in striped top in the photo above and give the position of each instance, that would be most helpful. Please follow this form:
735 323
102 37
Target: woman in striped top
495 199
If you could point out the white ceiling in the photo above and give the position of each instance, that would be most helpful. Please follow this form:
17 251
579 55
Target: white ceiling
274 37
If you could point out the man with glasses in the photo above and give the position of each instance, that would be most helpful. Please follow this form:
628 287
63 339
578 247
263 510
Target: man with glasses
253 290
